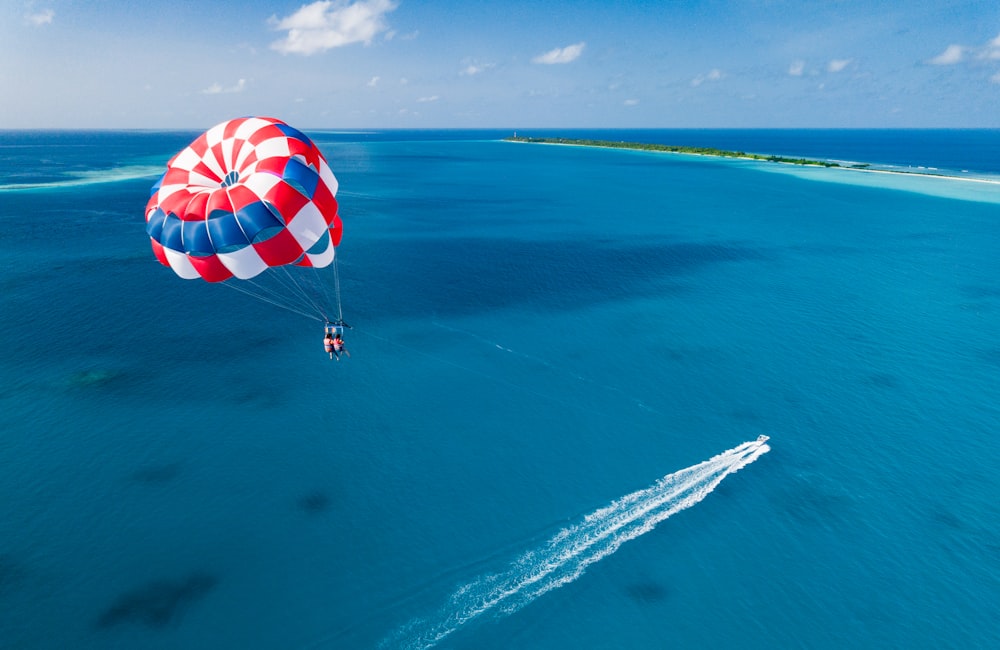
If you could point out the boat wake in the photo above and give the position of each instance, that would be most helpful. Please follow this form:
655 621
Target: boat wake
564 557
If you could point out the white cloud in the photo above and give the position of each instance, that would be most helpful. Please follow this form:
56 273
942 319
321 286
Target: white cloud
952 55
714 75
424 100
561 54
631 102
472 68
956 53
43 17
797 68
326 24
217 89
838 65
992 49
995 78
373 82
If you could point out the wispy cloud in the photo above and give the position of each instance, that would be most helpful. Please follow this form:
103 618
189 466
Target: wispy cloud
631 102
714 75
797 68
992 49
373 82
952 54
473 68
566 54
424 100
972 56
327 24
218 89
957 53
837 65
43 17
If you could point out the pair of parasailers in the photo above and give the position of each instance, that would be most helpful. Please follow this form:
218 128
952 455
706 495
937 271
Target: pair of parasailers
333 341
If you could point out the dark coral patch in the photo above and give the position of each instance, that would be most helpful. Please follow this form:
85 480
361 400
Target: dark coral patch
156 473
158 603
315 502
884 380
647 592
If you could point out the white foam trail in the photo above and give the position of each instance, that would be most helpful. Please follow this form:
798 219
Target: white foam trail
564 558
80 179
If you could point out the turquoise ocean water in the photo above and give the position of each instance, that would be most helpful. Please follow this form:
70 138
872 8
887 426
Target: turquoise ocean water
553 347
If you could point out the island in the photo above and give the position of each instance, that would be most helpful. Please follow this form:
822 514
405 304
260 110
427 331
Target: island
700 151
722 153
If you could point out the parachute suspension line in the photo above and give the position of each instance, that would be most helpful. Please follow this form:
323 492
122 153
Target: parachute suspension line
336 288
263 293
295 286
263 296
318 282
272 294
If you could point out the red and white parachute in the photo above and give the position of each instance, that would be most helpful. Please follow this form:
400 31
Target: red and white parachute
248 195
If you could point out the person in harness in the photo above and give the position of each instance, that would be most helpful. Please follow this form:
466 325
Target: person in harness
338 346
333 342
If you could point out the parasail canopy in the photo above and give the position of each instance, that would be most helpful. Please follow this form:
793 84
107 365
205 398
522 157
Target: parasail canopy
248 194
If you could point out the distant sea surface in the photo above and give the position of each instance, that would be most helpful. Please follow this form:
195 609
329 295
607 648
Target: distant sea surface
968 150
560 357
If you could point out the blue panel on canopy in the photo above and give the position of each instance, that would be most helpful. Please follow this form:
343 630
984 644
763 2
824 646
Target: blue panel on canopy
301 176
156 186
196 239
256 218
170 236
293 133
154 227
227 235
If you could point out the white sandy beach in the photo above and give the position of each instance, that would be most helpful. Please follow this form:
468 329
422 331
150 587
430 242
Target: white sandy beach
973 188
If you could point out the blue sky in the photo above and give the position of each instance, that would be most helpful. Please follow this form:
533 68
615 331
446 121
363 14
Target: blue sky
500 64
